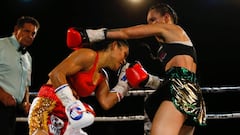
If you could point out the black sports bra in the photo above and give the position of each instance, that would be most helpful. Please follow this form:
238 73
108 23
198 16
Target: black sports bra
168 50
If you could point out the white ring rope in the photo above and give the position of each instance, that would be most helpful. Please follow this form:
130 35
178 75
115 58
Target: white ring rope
142 117
102 119
135 92
220 89
223 116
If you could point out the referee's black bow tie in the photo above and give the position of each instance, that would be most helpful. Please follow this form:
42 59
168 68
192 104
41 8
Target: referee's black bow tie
23 50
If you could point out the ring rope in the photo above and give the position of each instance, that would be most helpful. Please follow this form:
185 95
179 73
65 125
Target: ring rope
220 89
102 119
224 116
142 117
136 92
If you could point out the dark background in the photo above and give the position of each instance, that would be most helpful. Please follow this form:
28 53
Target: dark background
213 26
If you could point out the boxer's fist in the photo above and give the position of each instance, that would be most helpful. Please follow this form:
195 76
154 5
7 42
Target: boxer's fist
138 77
76 37
122 86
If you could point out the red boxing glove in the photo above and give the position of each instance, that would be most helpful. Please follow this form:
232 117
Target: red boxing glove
76 37
136 75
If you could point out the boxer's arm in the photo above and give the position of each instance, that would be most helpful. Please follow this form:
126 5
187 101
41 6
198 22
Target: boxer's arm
122 87
65 94
109 96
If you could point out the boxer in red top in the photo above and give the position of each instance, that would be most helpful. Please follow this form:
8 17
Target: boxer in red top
58 110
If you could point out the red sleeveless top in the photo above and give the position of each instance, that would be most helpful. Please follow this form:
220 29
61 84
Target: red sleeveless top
82 82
